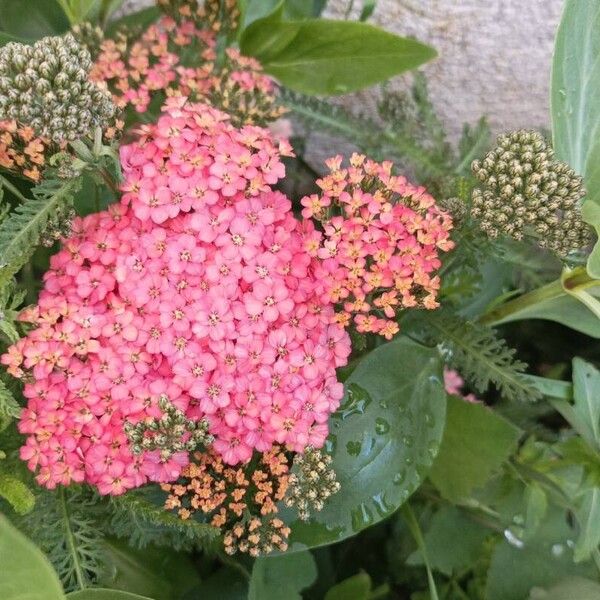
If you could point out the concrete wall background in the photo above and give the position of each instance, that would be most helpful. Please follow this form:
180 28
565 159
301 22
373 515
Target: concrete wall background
495 55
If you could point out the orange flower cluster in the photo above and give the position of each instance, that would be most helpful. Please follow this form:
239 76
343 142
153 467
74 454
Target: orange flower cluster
180 59
22 151
235 499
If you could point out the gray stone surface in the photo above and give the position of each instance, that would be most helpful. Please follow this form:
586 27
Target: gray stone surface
495 55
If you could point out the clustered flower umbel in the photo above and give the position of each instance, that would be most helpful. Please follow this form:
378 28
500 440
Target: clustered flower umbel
197 287
312 482
525 190
378 248
173 432
46 100
241 502
46 86
135 73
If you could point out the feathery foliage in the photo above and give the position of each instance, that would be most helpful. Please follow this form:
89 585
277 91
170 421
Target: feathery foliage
482 357
64 525
9 407
142 522
21 231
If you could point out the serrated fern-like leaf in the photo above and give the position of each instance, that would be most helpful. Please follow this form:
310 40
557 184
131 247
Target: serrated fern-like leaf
9 407
142 523
64 526
365 133
20 232
482 357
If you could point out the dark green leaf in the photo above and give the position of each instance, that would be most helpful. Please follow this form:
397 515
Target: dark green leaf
357 587
104 594
226 584
25 573
283 576
149 572
475 443
544 560
367 9
140 19
383 440
445 555
330 57
42 17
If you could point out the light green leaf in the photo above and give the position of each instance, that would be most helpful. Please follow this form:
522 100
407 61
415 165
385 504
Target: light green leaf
25 573
445 555
16 493
541 561
475 443
575 107
536 508
320 56
42 17
573 588
104 594
588 517
383 441
357 587
283 576
584 413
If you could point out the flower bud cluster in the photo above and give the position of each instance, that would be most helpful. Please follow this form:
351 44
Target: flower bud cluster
90 36
46 86
526 191
257 537
312 482
171 433
60 225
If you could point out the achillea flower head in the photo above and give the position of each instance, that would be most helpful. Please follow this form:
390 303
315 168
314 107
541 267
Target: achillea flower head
526 191
196 287
137 71
240 501
378 248
46 86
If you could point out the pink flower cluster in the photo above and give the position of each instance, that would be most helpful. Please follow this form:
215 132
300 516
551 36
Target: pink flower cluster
379 244
197 286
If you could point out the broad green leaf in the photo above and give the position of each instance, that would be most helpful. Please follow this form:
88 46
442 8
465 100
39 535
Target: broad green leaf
572 588
150 572
584 413
444 554
320 56
42 18
588 517
537 506
475 443
104 594
575 106
383 440
357 587
283 576
25 573
225 584
545 559
295 10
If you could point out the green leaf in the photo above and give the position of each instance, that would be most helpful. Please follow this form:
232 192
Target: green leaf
149 572
383 440
573 588
137 20
367 9
584 413
16 493
42 17
445 555
283 576
25 574
225 584
104 594
544 560
475 443
575 109
320 56
588 517
357 587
